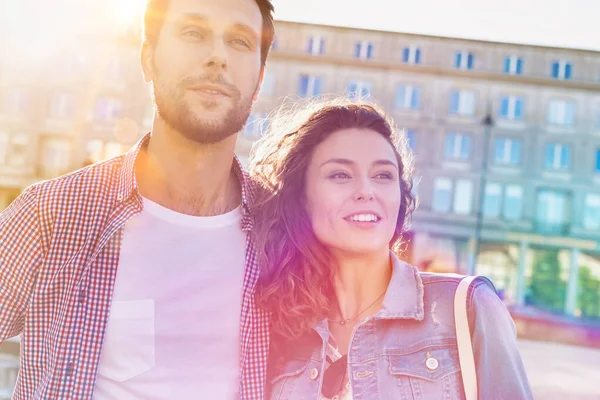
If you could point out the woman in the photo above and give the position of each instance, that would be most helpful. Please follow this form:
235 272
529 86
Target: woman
349 319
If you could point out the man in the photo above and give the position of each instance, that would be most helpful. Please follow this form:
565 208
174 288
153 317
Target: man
134 278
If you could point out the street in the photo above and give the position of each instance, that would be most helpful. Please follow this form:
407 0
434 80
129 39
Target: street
562 372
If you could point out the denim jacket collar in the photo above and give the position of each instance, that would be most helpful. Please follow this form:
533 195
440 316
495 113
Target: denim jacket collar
403 298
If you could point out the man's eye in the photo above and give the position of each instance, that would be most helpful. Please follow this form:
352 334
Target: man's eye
193 34
241 42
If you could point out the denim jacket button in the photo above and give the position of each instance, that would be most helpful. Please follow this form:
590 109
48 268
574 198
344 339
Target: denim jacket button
432 363
314 374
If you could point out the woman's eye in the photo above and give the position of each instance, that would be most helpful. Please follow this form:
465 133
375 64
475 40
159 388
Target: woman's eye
385 175
339 175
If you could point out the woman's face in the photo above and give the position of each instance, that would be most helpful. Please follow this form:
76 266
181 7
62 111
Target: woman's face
353 192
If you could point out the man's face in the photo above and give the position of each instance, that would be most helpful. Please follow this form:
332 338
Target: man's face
206 66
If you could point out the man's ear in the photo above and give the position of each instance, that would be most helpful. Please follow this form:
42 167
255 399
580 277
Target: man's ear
146 58
260 81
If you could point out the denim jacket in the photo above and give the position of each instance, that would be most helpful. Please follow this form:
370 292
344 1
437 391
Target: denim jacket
390 354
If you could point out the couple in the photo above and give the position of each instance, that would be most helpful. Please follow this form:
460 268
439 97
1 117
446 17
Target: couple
138 277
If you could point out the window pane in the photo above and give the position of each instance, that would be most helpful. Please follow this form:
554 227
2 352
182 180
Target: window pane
450 145
519 66
401 96
598 160
507 65
515 154
555 69
303 87
591 217
418 56
470 61
454 102
491 202
441 194
504 107
499 150
416 98
465 150
549 156
458 60
567 71
406 54
463 197
513 203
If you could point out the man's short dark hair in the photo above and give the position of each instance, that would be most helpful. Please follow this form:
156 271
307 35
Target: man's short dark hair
154 17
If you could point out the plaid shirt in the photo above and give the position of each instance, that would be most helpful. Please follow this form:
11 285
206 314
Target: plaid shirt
59 251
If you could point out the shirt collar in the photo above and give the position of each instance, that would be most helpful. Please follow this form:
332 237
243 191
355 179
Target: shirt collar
404 296
127 184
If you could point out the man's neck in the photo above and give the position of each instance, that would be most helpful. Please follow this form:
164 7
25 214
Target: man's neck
186 176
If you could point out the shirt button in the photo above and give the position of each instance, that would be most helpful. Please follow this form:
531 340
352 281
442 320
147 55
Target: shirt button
82 296
432 363
336 397
369 323
314 374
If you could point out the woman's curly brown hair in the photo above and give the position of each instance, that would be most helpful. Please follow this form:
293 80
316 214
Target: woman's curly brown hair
295 285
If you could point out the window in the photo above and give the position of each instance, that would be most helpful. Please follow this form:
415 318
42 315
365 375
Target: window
56 155
491 201
561 112
561 70
442 188
408 97
557 156
411 55
309 86
14 101
363 50
268 85
410 137
256 125
19 149
4 144
597 160
462 102
62 105
513 202
463 197
359 89
511 107
316 45
464 60
513 65
591 214
98 150
458 146
113 149
507 151
108 109
552 211
114 69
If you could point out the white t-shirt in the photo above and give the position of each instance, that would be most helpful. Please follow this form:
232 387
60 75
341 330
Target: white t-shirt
174 325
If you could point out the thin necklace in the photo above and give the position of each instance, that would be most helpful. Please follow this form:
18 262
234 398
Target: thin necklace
345 321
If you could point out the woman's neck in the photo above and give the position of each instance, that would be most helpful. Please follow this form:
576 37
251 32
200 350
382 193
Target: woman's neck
359 285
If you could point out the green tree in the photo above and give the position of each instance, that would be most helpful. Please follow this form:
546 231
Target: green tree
546 289
589 293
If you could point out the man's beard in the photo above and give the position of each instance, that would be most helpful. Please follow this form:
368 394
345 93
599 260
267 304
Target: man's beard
172 108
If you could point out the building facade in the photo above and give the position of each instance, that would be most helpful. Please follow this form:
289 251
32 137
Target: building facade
530 179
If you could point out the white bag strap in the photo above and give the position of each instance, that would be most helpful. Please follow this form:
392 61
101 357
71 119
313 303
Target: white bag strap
463 338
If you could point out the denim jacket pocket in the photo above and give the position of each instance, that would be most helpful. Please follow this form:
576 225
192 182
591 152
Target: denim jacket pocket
427 371
295 380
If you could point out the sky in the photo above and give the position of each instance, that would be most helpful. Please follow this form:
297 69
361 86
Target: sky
556 23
